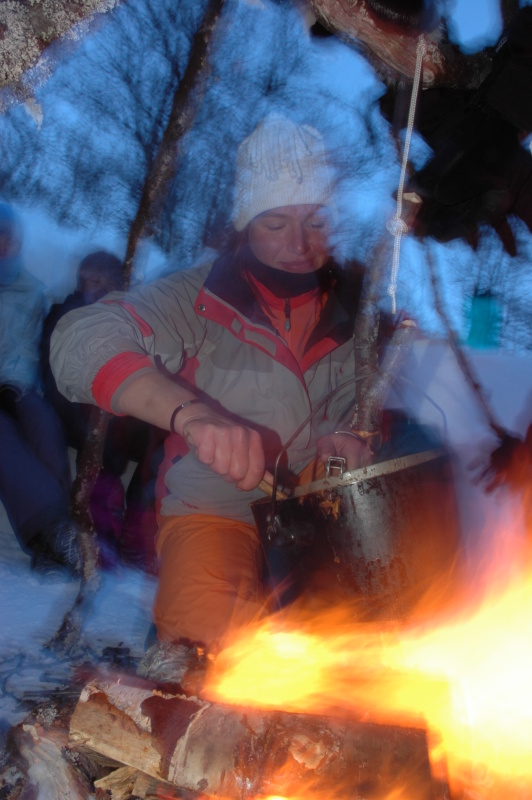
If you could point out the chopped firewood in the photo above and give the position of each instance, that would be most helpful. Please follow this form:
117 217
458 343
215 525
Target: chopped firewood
228 751
126 782
118 785
149 788
181 664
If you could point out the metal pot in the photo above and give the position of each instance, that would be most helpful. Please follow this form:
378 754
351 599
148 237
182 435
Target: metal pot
382 534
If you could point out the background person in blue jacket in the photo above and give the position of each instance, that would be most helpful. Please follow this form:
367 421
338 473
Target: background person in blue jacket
34 469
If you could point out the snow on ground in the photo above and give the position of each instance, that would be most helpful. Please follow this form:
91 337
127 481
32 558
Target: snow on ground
32 609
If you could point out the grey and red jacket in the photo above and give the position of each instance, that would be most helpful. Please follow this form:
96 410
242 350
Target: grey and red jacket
205 328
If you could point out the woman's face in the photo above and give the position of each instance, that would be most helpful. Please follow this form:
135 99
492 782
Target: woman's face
291 238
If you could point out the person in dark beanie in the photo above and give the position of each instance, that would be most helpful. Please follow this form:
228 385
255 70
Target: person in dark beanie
34 469
125 522
97 275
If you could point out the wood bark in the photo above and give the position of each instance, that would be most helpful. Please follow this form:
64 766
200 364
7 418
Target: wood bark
27 28
375 380
228 751
391 48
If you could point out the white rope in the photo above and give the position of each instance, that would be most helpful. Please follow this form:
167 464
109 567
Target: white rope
397 226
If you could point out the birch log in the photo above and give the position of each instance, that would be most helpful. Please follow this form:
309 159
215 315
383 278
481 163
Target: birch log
227 751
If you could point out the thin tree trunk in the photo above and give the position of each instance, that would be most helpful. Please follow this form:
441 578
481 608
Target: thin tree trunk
365 341
187 100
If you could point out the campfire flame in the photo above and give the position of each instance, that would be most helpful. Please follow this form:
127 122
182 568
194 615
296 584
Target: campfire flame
466 679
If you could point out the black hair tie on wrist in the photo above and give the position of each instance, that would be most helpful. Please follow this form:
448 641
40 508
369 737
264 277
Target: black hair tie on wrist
179 408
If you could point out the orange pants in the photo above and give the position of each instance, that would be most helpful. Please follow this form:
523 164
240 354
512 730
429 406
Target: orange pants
209 575
209 578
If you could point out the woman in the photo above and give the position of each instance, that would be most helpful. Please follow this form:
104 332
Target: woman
231 358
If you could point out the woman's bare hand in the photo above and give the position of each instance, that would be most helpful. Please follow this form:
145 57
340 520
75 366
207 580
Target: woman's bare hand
230 449
343 445
233 451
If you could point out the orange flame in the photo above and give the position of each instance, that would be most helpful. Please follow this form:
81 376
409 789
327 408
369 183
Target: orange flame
467 680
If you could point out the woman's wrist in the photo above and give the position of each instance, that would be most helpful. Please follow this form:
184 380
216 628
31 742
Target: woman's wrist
186 412
177 410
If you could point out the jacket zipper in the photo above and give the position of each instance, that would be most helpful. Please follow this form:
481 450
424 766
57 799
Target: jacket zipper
287 324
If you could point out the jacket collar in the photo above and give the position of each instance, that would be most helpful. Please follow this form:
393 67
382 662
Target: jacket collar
226 282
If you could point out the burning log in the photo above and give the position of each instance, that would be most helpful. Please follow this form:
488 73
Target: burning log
229 751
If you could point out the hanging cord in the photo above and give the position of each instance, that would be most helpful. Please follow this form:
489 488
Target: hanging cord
397 226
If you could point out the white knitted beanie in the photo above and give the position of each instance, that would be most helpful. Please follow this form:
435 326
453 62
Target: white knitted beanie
280 164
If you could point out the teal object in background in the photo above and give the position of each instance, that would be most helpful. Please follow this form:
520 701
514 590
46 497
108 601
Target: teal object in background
485 318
